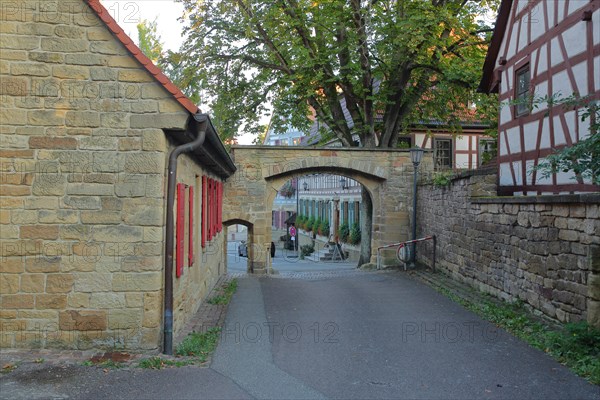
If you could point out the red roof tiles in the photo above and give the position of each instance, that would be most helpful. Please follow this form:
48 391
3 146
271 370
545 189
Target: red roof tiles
135 51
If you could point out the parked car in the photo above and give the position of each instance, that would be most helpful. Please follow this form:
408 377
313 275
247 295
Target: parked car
243 249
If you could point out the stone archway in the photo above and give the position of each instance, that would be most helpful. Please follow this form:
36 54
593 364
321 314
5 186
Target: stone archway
261 170
369 183
249 240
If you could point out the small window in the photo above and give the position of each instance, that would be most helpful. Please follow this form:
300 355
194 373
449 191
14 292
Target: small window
443 153
522 91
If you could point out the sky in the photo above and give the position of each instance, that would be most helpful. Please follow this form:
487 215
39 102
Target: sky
128 13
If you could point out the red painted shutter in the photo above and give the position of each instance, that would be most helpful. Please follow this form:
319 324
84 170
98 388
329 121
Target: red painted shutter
203 222
191 227
180 229
210 205
220 219
214 221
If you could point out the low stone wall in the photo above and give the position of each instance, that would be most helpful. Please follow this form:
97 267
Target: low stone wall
543 250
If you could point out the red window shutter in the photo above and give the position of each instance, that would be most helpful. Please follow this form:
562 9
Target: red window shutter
220 216
191 227
180 229
203 222
215 208
210 205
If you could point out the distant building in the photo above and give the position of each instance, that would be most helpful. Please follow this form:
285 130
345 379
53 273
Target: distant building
288 136
467 149
538 49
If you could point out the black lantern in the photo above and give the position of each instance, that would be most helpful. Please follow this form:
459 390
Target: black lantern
344 183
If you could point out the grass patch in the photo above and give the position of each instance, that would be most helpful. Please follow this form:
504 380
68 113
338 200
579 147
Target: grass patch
199 345
227 292
575 345
196 348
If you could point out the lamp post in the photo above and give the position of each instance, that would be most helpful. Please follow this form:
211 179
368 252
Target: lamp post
297 210
416 154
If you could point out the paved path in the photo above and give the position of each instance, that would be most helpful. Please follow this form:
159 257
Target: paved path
346 335
376 335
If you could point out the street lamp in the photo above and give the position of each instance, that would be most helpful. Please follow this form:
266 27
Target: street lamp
297 209
416 154
344 183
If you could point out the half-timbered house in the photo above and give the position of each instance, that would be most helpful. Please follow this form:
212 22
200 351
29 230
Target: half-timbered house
542 50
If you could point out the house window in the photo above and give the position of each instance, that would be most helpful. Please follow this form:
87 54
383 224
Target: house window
522 91
487 150
443 153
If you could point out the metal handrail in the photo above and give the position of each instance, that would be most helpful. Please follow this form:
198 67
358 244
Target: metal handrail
401 245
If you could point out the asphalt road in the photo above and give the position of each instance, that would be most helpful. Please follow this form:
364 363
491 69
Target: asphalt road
334 334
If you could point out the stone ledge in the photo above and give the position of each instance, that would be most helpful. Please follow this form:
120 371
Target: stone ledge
583 198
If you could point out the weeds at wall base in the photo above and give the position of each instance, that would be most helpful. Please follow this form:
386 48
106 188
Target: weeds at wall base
575 345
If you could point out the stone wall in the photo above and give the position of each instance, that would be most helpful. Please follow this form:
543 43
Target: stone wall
82 184
542 250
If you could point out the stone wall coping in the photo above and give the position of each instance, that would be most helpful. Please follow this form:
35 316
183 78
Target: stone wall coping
584 198
319 148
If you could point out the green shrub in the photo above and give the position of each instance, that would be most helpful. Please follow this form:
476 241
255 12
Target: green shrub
324 228
307 249
354 234
344 232
442 178
309 224
315 226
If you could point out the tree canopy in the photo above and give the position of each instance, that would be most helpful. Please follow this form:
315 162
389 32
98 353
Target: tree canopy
393 63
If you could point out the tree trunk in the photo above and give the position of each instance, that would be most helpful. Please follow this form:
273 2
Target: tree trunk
366 227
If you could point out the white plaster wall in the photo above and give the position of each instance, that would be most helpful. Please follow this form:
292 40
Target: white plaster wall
462 143
537 22
574 39
581 77
513 136
545 141
530 136
462 161
502 149
559 136
561 84
505 176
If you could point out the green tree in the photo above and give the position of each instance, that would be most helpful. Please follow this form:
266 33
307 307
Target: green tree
168 61
150 41
393 62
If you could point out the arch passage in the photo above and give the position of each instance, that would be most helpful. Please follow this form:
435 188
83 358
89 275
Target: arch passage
261 170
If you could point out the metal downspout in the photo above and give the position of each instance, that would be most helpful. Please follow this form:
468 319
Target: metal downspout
169 238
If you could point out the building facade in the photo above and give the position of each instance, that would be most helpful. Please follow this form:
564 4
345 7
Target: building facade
87 126
542 50
333 199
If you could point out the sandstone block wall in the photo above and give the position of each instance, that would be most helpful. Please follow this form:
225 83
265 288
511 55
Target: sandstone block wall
542 250
82 173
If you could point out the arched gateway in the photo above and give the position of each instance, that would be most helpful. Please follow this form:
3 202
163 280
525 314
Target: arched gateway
387 175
